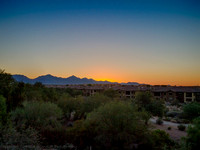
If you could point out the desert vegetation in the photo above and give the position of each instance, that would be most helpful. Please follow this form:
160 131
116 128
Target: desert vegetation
36 117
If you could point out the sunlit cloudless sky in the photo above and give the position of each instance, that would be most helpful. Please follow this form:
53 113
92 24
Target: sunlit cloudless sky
146 41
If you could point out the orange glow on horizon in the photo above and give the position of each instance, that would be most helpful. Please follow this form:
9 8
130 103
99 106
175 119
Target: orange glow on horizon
139 79
117 75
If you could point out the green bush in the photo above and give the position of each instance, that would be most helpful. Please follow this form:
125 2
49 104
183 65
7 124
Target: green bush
3 112
192 110
161 140
68 105
111 93
156 108
167 119
181 127
145 100
193 137
37 114
159 121
54 136
114 125
91 103
172 114
19 139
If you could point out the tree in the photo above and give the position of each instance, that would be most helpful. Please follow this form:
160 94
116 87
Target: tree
17 95
6 83
117 125
38 85
68 105
23 139
37 114
156 108
193 137
191 110
82 135
111 93
73 92
3 112
144 100
7 86
91 103
161 140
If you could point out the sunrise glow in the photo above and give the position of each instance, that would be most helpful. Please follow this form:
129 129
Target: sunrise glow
152 43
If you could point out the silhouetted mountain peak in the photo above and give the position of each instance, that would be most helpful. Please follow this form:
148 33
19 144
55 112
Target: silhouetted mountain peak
53 80
73 77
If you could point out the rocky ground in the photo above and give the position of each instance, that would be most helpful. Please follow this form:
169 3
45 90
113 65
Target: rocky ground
174 133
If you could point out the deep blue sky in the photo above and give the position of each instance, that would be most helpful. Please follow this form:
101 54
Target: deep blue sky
155 42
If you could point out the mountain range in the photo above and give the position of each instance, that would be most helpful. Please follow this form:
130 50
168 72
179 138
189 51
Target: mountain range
53 80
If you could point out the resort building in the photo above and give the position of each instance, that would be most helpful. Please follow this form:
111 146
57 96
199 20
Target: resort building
168 93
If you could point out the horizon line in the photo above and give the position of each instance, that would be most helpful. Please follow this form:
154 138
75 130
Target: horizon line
105 80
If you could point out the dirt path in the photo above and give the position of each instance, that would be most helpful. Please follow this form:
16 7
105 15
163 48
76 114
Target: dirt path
168 122
174 133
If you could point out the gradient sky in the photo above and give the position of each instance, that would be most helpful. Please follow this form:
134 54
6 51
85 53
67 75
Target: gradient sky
146 41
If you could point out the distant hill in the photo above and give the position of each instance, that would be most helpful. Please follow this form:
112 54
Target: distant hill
130 83
53 80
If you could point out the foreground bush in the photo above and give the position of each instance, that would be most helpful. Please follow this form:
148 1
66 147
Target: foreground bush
93 102
161 140
3 111
37 115
193 137
145 100
80 106
192 110
169 128
19 139
159 121
69 105
181 127
115 125
54 136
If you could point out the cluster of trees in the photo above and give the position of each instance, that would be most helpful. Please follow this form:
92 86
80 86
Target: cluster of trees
33 116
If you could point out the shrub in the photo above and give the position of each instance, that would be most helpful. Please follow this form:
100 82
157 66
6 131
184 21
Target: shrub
54 136
167 119
145 100
68 105
156 108
3 113
169 128
161 140
159 121
114 125
91 103
172 114
19 139
193 137
181 127
192 110
37 114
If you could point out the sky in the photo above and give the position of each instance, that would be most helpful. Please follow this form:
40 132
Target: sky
146 41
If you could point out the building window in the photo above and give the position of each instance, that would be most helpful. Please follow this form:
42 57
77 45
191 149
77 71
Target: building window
156 93
128 92
170 93
188 94
188 99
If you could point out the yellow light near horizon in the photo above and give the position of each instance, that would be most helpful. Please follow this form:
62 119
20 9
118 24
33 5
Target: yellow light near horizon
106 79
109 73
